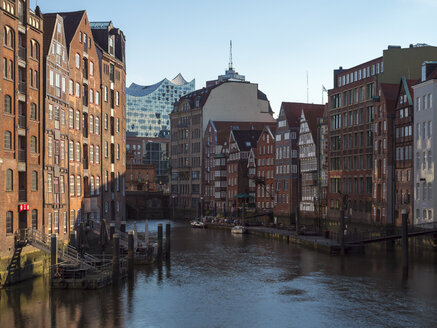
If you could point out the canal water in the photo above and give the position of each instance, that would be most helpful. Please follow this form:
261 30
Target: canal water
216 279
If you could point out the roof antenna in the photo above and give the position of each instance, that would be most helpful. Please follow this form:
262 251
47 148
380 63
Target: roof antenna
230 55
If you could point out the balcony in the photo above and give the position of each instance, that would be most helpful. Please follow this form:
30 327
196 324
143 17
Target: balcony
22 195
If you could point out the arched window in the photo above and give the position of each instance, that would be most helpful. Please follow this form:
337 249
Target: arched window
8 104
5 35
35 50
33 111
8 140
9 222
9 180
34 181
91 124
92 185
33 146
34 219
97 120
10 38
97 185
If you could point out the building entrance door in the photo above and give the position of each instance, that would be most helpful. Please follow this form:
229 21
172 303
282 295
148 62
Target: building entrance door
22 220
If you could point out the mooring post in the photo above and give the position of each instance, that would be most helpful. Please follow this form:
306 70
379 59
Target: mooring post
159 241
342 232
146 232
123 226
405 241
115 257
297 219
167 240
130 245
54 250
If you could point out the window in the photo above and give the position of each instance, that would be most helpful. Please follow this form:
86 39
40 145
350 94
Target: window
97 185
97 155
70 118
106 121
65 222
71 150
62 149
106 180
33 145
106 94
72 217
34 219
8 140
118 151
97 97
91 96
77 61
91 68
33 111
49 183
77 152
63 84
61 184
8 104
97 125
9 222
92 186
49 224
106 149
71 87
50 146
117 100
77 123
118 125
71 185
9 180
77 90
91 154
34 181
91 124
78 185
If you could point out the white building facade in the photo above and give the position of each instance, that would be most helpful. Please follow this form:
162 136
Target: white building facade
425 112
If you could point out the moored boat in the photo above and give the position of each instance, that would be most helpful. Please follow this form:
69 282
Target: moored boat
238 229
197 224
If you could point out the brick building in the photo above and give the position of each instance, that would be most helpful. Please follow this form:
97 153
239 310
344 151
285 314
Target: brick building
56 130
214 159
224 100
286 161
110 48
403 150
21 119
309 169
264 156
357 107
239 146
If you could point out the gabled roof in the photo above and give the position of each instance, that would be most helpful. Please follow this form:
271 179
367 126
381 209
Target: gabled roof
223 128
407 86
311 117
390 92
49 25
72 20
246 139
293 110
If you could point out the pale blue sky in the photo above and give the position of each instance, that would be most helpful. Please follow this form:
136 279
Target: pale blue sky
275 42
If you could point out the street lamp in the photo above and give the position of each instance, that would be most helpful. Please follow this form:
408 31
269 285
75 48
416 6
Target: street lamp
173 201
201 207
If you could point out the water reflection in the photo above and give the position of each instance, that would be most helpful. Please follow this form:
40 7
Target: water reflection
218 279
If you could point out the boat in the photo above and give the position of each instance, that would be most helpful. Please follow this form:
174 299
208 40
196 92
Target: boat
197 224
239 230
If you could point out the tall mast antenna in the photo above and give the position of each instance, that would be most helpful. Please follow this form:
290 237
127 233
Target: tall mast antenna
230 55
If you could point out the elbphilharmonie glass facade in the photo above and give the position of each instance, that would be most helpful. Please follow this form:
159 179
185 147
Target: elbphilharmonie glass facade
149 107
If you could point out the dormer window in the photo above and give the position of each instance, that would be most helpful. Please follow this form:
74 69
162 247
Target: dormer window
111 45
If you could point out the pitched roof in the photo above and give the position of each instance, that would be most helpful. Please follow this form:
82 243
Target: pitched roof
292 111
71 22
312 115
246 139
390 91
224 127
49 25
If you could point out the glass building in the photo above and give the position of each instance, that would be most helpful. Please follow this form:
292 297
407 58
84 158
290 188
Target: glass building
149 107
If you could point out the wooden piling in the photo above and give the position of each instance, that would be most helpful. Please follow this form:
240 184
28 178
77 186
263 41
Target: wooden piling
115 257
159 241
54 249
167 240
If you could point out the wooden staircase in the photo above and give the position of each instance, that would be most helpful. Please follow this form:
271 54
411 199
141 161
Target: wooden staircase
14 266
